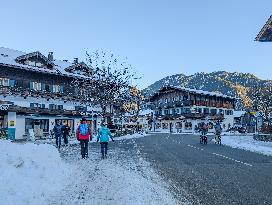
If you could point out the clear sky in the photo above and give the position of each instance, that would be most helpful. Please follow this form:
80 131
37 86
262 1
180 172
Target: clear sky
159 37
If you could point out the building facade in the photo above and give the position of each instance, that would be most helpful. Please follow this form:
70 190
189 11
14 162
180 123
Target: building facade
37 90
179 109
265 35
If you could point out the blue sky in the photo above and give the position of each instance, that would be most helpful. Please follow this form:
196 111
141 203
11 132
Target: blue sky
160 38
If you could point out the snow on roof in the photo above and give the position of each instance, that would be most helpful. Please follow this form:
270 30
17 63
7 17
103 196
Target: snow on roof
238 113
8 58
199 91
145 112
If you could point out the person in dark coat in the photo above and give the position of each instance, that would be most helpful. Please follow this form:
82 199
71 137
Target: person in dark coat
58 130
66 131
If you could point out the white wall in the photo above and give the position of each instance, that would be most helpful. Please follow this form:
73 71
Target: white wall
20 127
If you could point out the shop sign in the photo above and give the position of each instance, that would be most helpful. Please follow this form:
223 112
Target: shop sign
4 106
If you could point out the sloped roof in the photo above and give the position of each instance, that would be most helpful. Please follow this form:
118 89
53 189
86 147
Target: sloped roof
265 34
35 54
194 91
11 57
82 66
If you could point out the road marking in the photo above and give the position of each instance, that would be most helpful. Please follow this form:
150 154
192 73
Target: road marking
220 155
195 147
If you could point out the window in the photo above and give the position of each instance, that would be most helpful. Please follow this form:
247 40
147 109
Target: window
4 82
43 124
177 111
213 111
166 100
173 111
33 105
35 86
206 110
166 112
55 107
57 89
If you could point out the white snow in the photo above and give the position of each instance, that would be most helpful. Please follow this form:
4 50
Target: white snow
30 173
117 180
125 137
247 142
238 113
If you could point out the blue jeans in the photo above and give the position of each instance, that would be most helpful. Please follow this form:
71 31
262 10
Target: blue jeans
58 140
104 148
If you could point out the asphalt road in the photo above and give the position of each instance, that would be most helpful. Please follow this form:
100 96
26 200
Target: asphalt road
208 174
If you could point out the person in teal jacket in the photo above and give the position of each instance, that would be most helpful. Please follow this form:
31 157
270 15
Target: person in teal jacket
103 136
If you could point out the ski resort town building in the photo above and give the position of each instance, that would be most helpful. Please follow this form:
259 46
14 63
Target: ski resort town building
37 90
179 109
265 35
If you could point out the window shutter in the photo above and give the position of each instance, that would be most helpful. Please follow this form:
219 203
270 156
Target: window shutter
11 83
43 86
31 85
61 89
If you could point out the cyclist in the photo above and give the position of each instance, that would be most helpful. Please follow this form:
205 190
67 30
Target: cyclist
218 130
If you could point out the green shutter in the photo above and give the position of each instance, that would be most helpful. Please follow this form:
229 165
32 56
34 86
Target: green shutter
43 86
61 89
31 85
11 83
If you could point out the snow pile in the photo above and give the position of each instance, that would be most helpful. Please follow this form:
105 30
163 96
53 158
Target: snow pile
125 137
133 136
30 173
248 143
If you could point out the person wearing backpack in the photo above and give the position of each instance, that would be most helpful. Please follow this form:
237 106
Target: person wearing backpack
84 135
103 136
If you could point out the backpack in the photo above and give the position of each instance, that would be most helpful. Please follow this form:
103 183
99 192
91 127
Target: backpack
83 129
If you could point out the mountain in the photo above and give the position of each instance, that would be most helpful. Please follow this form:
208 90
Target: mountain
233 84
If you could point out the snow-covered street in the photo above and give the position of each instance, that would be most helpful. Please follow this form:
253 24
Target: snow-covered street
122 178
38 174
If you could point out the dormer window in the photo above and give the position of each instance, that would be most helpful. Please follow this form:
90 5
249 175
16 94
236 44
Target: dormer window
80 69
35 59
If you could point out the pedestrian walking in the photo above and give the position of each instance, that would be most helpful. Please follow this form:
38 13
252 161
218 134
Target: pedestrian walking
103 136
66 132
58 130
84 135
218 131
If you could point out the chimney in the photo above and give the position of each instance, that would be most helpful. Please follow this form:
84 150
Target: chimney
50 56
65 60
75 61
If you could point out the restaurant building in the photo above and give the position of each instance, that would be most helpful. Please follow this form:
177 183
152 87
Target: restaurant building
36 90
179 109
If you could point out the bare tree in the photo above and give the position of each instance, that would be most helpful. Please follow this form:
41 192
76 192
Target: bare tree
262 101
111 82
